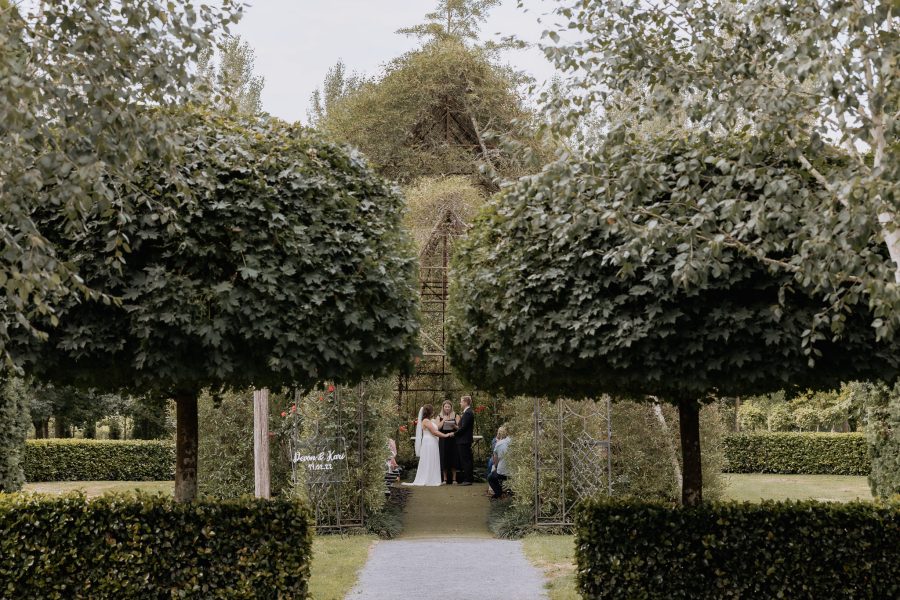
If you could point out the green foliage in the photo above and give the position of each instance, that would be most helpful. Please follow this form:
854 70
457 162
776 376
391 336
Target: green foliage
811 410
800 453
99 460
789 74
767 550
338 85
428 197
286 265
227 77
430 113
150 547
225 453
453 19
14 424
753 417
81 81
883 433
555 292
780 418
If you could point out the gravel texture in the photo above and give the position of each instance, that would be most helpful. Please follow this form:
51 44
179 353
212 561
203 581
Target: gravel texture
449 569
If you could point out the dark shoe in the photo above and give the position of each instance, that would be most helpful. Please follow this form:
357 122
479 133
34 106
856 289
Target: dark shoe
466 483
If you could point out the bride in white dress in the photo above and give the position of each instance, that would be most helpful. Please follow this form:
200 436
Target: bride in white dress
427 449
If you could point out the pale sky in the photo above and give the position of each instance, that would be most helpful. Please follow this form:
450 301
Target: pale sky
296 41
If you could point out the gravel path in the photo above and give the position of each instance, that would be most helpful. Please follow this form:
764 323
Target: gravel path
449 569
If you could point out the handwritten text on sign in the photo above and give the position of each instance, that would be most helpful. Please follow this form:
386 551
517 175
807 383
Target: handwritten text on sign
323 461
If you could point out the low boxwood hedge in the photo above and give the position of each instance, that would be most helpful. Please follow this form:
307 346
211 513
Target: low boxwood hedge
767 550
99 460
152 547
797 453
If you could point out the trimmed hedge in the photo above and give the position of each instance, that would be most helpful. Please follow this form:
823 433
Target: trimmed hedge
797 453
99 460
152 547
768 550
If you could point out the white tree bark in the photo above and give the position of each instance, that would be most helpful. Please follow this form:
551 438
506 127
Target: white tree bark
673 455
891 231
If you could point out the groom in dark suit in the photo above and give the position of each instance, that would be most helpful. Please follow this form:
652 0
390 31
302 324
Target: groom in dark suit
464 441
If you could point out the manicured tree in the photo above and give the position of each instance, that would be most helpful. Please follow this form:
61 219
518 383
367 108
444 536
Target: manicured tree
14 423
80 80
795 74
286 265
554 295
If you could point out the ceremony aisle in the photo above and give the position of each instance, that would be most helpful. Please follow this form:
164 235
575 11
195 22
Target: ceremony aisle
447 551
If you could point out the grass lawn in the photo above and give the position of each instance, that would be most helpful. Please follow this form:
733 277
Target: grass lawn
754 487
336 563
555 556
92 489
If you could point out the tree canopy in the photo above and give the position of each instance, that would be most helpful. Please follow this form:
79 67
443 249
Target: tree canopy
287 265
431 114
453 19
795 75
227 74
80 80
554 293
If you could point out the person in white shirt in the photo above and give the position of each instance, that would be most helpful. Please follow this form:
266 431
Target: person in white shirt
499 473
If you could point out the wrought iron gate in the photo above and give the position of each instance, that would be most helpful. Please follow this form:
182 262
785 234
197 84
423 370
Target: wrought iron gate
572 457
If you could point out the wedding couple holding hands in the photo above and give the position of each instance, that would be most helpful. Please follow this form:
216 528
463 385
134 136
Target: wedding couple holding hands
444 444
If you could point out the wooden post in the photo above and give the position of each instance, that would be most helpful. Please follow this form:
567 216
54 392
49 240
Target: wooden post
261 442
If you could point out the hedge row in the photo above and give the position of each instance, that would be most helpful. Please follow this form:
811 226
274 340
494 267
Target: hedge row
151 547
768 550
797 453
99 460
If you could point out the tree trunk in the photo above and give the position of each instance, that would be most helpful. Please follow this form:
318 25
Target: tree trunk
692 475
737 415
40 429
60 427
186 442
673 456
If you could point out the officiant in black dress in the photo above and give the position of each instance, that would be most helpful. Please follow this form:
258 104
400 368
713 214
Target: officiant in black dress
448 422
463 439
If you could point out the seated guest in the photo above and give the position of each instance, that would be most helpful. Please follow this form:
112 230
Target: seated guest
490 465
499 473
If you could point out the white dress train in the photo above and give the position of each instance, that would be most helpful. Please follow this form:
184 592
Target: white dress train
429 470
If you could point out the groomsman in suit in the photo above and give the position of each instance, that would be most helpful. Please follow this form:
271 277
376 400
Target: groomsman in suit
464 441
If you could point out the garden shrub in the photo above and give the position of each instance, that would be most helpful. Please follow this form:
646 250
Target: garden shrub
883 434
14 424
751 417
768 550
225 456
99 460
797 453
780 418
151 547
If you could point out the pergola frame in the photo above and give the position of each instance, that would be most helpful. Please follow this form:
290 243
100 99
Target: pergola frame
432 381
